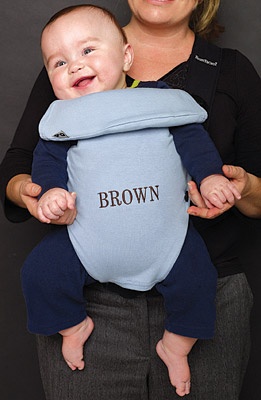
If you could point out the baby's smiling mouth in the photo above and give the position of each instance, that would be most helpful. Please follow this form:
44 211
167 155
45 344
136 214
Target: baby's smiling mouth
83 81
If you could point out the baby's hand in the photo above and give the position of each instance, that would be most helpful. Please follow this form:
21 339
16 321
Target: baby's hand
67 218
54 203
217 190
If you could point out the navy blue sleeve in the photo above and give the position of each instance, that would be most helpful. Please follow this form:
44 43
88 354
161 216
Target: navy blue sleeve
153 84
197 151
49 167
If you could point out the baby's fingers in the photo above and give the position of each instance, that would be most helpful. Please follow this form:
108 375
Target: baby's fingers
41 215
233 194
215 200
51 211
71 198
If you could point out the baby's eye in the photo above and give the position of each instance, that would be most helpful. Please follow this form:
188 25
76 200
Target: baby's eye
59 63
87 50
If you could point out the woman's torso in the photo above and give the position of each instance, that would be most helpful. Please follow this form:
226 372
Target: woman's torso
235 134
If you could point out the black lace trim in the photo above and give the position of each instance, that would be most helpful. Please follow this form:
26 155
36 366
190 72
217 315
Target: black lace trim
176 78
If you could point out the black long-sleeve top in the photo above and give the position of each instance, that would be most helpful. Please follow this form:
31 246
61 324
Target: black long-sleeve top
234 126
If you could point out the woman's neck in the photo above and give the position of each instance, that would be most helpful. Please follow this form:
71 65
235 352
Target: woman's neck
157 51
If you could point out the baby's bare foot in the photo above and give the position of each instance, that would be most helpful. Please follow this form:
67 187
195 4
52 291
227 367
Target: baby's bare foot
73 342
173 350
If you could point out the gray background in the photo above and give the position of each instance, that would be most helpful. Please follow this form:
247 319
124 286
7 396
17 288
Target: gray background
20 25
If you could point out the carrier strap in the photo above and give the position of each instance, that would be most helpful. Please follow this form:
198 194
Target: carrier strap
203 72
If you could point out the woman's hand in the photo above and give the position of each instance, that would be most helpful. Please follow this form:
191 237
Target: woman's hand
199 209
247 184
24 193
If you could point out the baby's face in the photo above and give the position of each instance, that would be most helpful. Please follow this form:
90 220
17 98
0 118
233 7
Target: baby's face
84 53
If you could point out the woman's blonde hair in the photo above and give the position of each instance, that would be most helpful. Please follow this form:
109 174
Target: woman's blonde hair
204 19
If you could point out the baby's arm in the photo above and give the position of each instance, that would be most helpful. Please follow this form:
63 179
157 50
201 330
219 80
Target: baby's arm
201 159
216 190
50 172
55 203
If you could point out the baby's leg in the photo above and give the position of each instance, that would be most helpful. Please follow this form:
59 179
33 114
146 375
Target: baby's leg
173 350
73 342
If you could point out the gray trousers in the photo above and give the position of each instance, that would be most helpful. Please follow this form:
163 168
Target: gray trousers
120 357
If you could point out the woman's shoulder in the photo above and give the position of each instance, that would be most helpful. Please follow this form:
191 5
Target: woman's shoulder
237 73
233 58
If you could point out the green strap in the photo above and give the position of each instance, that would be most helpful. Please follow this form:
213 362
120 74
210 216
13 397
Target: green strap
135 83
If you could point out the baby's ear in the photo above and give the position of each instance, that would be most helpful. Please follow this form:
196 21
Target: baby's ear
128 57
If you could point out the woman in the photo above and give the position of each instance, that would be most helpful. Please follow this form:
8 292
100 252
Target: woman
121 362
